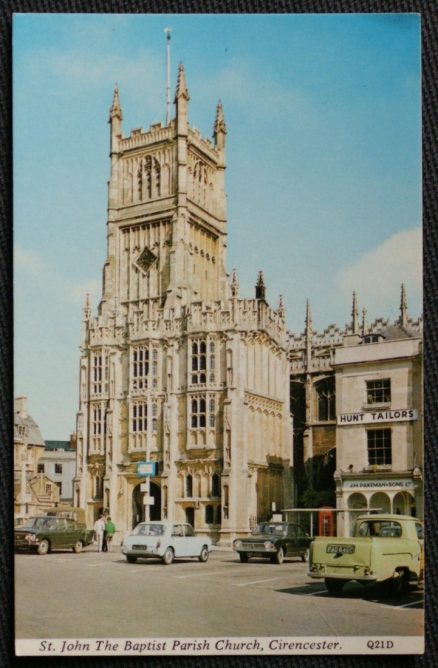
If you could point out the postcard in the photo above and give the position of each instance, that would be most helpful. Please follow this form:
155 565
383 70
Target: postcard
218 422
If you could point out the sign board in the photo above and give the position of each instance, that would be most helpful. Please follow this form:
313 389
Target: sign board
377 417
146 469
144 487
148 500
397 483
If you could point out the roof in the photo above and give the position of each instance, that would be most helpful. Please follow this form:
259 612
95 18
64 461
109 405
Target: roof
57 445
33 431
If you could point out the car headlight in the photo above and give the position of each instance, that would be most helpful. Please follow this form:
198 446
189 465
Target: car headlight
268 545
30 537
237 544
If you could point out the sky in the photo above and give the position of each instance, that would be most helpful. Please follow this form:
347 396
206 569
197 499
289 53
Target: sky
323 174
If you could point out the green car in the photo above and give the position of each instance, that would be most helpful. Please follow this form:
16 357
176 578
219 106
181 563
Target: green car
43 534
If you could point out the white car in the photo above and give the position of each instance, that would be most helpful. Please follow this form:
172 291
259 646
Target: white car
165 541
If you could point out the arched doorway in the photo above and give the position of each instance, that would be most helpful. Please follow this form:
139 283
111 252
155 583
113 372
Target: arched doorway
190 516
138 514
380 502
403 504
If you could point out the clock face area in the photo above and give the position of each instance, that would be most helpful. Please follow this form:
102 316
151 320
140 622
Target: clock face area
146 259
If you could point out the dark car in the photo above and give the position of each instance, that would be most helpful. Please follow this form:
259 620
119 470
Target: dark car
274 540
43 534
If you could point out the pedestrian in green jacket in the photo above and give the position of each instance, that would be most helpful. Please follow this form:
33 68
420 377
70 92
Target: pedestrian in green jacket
110 530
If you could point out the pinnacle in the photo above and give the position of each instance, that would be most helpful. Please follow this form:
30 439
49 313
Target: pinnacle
181 86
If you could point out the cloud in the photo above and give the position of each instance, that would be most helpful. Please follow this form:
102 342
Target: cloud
29 265
376 276
28 261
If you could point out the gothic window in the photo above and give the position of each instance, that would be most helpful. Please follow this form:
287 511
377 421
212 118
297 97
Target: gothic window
139 417
198 412
97 421
189 486
379 446
99 373
199 362
154 416
209 515
215 487
140 183
325 390
203 362
379 391
140 368
211 413
149 179
203 411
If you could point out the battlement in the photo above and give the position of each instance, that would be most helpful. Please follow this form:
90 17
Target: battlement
140 138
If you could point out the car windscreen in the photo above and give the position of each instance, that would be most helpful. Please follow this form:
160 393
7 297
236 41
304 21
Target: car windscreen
148 530
271 528
33 523
380 528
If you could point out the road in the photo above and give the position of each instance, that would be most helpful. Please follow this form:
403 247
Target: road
92 595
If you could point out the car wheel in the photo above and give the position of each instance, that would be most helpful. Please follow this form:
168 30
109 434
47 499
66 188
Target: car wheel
43 547
130 559
334 586
305 555
279 556
204 554
399 585
243 557
168 556
77 547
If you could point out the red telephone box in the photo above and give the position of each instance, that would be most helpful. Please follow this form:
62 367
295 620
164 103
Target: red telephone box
326 522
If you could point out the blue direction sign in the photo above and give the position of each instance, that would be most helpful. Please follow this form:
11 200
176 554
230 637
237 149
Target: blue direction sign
146 469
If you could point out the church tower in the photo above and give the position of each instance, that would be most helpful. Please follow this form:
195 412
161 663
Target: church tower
175 368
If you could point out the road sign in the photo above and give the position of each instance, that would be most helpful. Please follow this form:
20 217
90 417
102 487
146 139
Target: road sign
144 487
148 500
146 469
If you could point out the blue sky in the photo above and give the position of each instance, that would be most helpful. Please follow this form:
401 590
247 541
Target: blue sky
323 165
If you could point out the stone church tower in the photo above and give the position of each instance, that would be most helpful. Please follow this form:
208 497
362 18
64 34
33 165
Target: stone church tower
176 368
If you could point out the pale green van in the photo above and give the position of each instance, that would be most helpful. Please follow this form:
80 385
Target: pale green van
383 548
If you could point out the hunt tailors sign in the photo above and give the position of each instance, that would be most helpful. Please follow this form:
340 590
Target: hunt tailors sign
376 417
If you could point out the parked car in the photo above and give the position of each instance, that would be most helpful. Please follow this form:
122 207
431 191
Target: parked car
46 533
165 541
383 549
275 541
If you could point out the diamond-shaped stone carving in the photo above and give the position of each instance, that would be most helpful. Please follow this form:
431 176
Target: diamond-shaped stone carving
146 260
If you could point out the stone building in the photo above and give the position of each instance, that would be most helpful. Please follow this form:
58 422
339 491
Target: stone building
58 462
34 492
329 376
176 368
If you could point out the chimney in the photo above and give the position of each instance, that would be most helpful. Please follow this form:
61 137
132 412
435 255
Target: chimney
20 406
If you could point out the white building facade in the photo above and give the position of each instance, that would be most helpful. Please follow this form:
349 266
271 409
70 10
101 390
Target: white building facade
176 369
58 462
379 434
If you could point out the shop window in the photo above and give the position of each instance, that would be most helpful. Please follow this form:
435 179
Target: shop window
378 391
326 397
379 447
